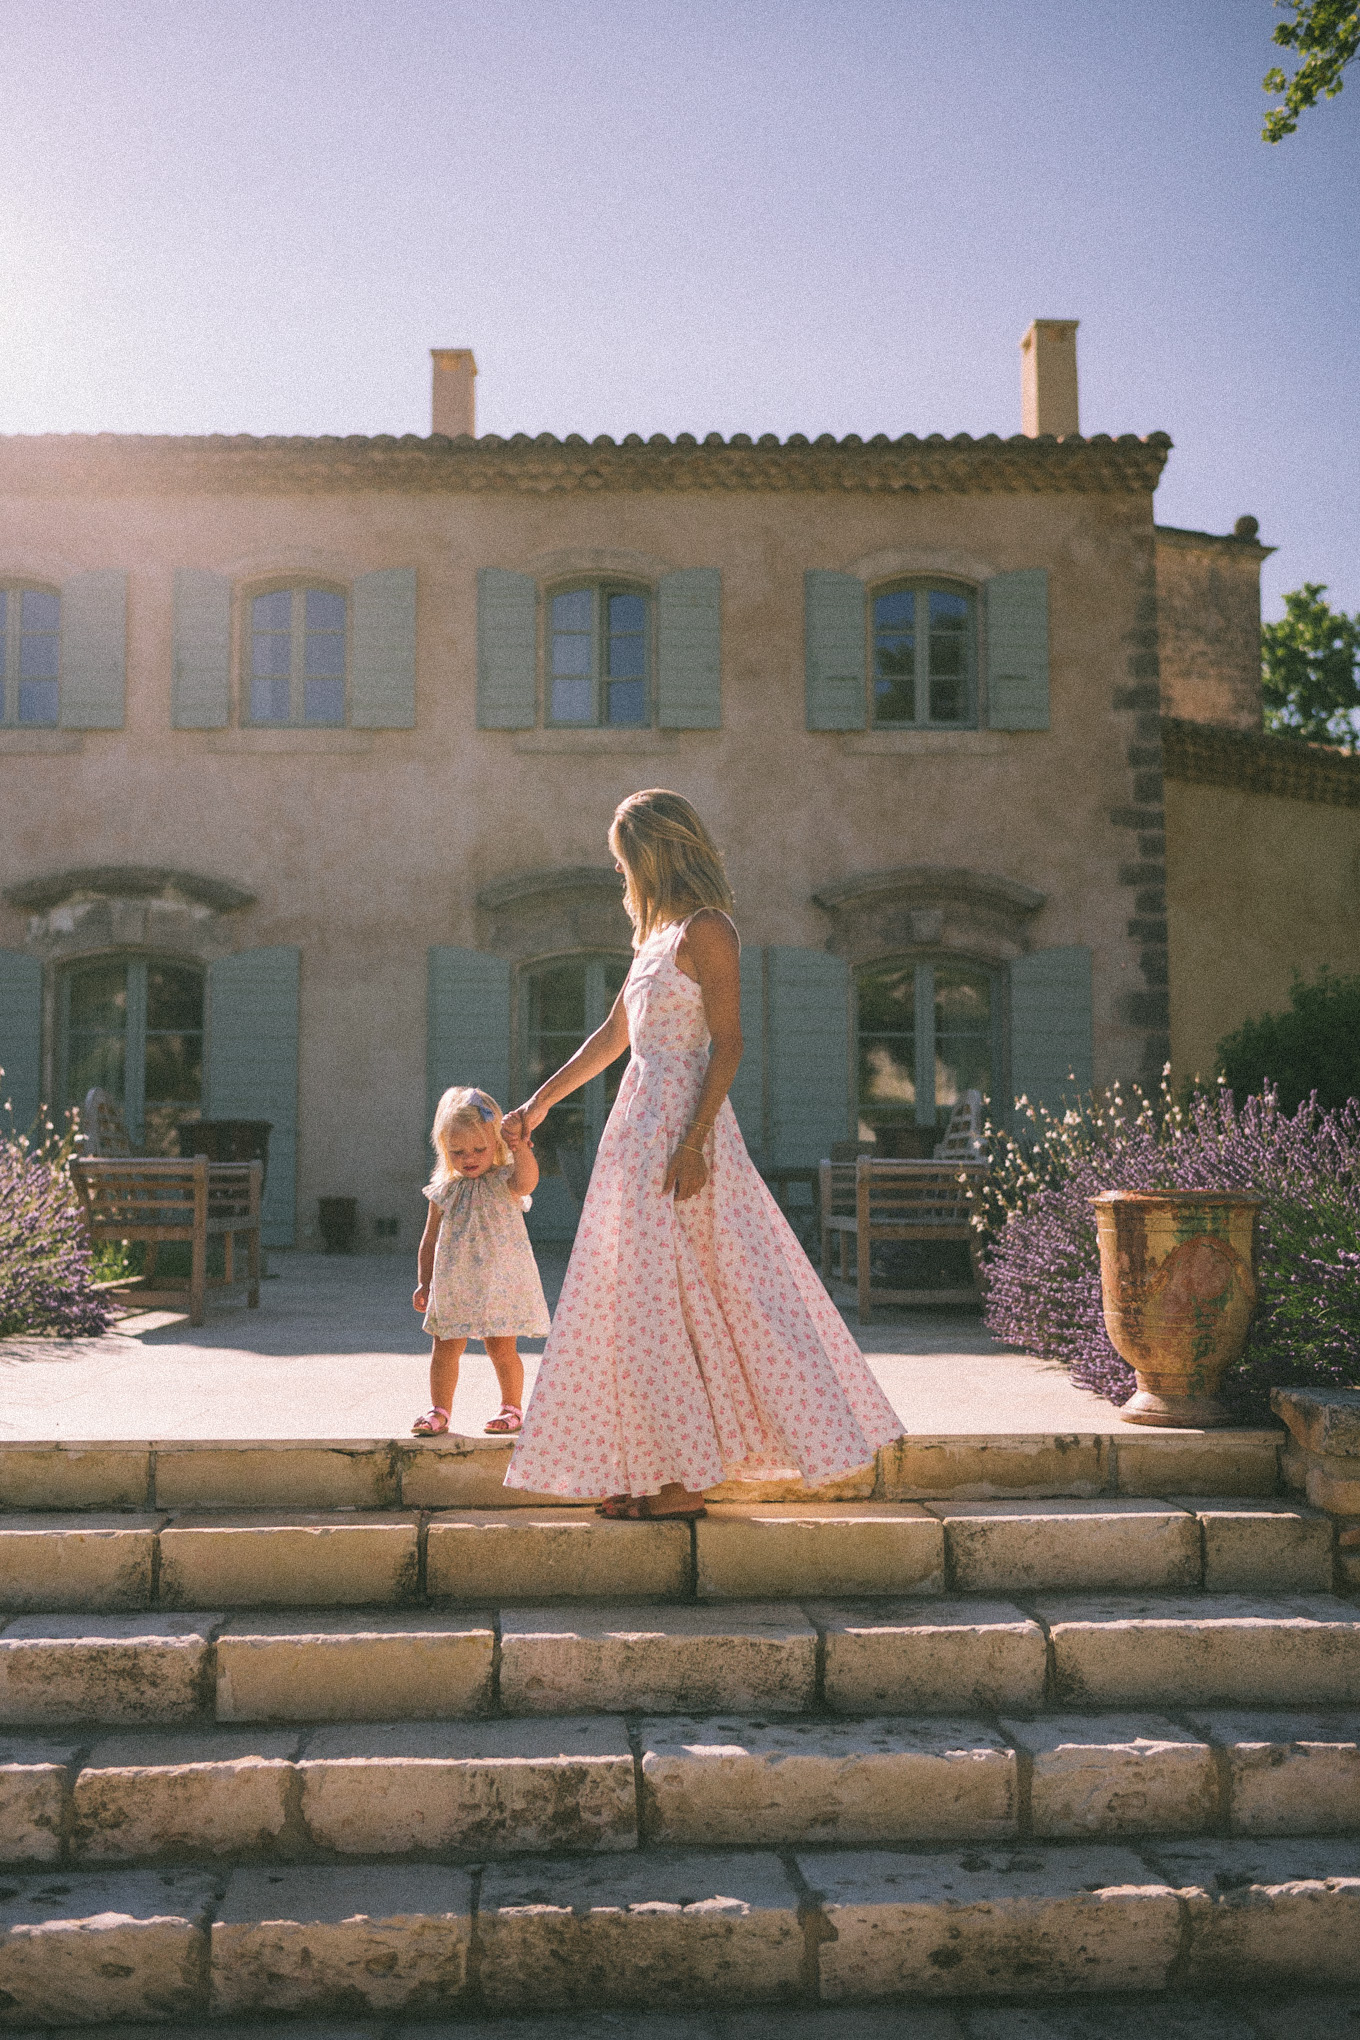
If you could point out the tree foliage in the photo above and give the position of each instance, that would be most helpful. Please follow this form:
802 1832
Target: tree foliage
1326 36
1310 670
1314 1048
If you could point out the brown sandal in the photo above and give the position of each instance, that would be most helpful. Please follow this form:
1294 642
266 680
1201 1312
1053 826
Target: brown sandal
634 1509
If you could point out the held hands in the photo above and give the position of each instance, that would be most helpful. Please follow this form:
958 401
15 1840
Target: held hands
519 1124
686 1175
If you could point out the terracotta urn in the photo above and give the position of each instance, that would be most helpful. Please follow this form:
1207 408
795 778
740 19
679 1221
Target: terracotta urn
1178 1283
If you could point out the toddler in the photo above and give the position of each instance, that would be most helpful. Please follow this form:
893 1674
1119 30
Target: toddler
476 1277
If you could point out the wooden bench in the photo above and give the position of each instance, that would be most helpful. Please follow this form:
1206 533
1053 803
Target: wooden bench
871 1200
156 1199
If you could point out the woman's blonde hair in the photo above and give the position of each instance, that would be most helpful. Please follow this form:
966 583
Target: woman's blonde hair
463 1106
671 864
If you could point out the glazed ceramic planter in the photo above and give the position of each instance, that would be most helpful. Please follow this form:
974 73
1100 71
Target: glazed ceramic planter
1178 1283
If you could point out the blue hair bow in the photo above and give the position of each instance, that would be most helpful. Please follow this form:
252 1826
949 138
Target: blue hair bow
487 1112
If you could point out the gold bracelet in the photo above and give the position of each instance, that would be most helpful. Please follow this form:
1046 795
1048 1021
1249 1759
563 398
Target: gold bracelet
689 1147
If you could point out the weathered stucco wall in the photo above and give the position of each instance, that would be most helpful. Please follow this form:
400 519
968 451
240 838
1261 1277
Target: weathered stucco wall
1209 625
366 847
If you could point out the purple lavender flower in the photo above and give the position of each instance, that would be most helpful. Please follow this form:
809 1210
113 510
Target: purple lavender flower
46 1269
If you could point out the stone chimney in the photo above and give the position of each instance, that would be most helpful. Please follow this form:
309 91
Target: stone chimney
453 396
1048 378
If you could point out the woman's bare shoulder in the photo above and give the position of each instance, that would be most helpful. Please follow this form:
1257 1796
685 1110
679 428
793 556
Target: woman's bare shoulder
710 937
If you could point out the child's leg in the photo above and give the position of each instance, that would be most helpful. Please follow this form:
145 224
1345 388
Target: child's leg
504 1354
444 1357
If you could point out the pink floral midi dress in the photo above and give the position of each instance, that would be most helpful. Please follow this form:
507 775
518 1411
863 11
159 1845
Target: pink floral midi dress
693 1342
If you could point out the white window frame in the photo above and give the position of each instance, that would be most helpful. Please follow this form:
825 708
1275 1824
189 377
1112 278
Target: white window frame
297 677
921 586
600 592
10 677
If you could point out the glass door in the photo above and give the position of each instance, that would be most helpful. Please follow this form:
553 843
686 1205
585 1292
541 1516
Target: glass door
133 1026
560 1005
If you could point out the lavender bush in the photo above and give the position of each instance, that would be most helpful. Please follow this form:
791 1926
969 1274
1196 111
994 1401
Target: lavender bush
46 1272
1043 1266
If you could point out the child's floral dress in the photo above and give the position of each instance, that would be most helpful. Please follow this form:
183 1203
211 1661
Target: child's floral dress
485 1283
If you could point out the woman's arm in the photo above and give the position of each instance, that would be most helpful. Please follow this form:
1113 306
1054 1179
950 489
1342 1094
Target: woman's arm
524 1176
434 1218
709 952
596 1053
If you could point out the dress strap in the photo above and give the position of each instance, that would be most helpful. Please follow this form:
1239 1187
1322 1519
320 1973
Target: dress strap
682 925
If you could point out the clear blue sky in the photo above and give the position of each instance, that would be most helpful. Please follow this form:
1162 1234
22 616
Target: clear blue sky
259 215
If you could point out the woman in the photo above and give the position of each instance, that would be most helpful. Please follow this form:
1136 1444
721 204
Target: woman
693 1342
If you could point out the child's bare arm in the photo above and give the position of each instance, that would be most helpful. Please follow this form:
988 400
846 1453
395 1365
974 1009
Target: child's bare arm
425 1257
524 1176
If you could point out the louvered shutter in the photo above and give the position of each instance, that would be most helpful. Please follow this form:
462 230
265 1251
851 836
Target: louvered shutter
507 696
1017 650
1051 1026
834 650
93 650
382 650
688 649
807 1035
748 1086
20 1039
201 693
251 1065
468 1035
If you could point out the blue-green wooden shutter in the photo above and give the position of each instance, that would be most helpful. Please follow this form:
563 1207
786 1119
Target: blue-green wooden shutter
468 1037
688 649
1051 1026
382 650
834 650
507 645
748 1086
20 1039
201 694
1017 650
807 1037
93 650
252 1065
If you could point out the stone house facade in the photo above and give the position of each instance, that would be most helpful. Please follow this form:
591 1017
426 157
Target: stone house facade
308 748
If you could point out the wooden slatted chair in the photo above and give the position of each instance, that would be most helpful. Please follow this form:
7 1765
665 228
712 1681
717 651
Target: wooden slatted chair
869 1200
158 1198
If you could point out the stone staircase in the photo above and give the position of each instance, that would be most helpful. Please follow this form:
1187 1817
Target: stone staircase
314 1731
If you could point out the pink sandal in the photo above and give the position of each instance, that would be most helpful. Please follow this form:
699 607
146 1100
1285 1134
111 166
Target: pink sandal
508 1419
433 1424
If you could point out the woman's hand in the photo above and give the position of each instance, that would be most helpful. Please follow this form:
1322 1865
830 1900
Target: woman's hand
519 1124
686 1175
421 1300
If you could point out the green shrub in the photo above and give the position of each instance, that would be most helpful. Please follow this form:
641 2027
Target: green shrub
1315 1047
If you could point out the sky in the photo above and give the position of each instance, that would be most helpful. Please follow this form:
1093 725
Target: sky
720 215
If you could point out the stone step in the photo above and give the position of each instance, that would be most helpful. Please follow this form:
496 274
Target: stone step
72 1561
704 1927
467 1473
923 1655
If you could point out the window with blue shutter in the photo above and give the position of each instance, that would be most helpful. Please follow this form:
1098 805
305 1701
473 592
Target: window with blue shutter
30 657
507 647
251 1065
201 690
807 1047
834 628
297 658
20 1039
1051 1061
1017 650
689 649
382 686
93 650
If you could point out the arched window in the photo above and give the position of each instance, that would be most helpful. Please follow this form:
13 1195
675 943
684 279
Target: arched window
924 657
598 656
296 657
926 1033
133 1026
560 1003
30 655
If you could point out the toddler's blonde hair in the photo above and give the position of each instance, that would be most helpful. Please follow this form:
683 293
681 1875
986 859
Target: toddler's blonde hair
671 864
463 1105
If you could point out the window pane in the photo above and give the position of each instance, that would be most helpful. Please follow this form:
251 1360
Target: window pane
557 1000
627 701
39 610
951 636
269 701
4 627
896 609
963 1033
574 611
273 612
38 656
324 653
37 701
627 655
571 654
325 609
99 996
895 656
571 700
887 1043
174 1068
271 652
98 1026
94 1059
323 701
627 612
174 998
